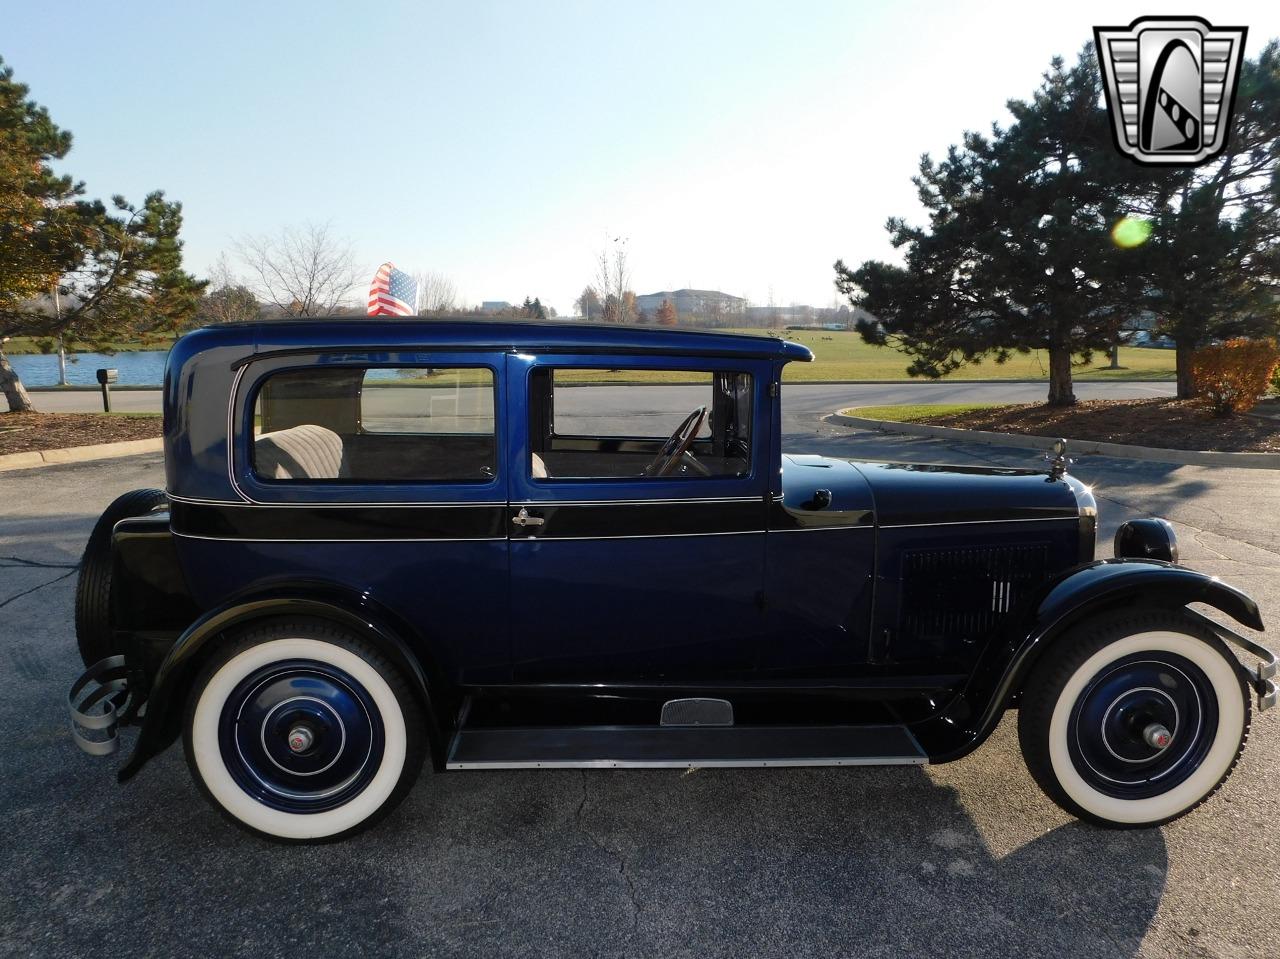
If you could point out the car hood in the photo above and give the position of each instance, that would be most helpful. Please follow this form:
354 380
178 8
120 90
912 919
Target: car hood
908 493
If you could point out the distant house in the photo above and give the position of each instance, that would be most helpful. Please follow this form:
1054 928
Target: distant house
494 306
693 302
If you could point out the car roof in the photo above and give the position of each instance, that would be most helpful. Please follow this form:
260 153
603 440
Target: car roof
413 332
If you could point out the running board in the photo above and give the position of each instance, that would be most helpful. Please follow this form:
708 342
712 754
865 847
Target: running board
665 747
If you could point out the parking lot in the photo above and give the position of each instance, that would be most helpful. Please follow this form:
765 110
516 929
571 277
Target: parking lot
962 859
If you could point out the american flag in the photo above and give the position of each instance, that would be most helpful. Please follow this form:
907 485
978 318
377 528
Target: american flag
394 292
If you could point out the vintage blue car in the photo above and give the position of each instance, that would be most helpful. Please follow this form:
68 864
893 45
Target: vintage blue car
386 541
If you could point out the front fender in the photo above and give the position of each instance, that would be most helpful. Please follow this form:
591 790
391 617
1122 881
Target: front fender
1061 603
168 691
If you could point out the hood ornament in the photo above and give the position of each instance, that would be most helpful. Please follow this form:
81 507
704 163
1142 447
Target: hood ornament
1057 459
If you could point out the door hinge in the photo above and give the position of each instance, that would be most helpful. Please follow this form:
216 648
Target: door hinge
773 389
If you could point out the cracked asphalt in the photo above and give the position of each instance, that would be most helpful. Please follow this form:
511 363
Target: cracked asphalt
965 859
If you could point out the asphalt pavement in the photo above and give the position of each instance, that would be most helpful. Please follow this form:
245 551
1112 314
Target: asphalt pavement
800 397
964 859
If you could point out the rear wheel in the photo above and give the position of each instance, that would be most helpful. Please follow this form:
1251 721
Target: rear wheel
93 589
303 732
1134 719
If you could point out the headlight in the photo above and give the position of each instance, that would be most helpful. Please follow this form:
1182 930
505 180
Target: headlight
1147 539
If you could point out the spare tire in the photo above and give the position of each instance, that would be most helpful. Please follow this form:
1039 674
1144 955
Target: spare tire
93 590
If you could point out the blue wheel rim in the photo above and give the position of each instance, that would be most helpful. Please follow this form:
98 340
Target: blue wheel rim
343 740
1105 733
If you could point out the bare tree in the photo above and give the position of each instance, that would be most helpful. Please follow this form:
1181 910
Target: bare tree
613 284
436 293
226 299
303 271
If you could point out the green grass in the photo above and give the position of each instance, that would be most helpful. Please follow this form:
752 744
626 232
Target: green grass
844 356
913 413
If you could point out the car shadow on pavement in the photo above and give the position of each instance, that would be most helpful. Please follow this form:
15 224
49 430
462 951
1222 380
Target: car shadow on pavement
766 862
789 862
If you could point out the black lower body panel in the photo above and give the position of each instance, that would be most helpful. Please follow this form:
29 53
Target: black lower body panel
569 747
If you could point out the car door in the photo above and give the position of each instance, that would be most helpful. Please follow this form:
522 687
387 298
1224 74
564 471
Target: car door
619 577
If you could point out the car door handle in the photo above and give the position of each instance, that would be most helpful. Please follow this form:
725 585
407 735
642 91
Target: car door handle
821 499
523 518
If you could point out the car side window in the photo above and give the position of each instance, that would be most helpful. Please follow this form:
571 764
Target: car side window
637 424
376 425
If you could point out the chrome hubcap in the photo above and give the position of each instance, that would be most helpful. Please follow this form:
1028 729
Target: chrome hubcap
1157 736
300 739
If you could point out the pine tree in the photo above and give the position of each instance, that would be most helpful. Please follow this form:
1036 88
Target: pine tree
35 242
1209 233
116 271
1017 254
533 309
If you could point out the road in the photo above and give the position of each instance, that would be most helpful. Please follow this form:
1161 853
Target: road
961 859
800 397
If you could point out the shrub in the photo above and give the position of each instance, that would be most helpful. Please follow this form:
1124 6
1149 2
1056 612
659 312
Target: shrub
1234 375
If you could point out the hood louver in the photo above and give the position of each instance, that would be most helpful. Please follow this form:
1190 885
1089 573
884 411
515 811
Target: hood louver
962 593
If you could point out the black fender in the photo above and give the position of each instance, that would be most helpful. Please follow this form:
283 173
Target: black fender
1062 602
166 698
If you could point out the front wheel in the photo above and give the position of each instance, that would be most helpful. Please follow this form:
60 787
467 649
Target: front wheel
303 732
1134 719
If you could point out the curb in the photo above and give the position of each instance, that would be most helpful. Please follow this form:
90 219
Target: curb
1150 454
78 454
94 388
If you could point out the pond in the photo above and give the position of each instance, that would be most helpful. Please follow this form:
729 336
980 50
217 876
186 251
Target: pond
137 368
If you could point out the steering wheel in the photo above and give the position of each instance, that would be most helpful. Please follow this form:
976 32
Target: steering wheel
677 446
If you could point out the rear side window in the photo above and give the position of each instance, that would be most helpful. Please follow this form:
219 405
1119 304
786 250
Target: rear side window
376 425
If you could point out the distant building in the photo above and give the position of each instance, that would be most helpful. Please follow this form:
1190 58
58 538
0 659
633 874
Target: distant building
800 317
693 302
779 315
494 306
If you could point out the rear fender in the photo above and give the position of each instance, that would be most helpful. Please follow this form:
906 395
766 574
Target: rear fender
1062 603
172 681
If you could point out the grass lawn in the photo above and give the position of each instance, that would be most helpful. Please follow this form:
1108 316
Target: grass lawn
1164 422
914 412
844 356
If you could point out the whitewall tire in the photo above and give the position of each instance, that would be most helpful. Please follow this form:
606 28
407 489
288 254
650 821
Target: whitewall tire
1134 719
302 732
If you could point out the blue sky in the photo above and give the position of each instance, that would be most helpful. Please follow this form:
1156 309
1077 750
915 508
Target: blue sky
740 146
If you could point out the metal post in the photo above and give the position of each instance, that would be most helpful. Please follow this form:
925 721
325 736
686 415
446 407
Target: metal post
62 349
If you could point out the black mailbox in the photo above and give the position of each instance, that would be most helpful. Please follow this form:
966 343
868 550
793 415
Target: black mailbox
105 379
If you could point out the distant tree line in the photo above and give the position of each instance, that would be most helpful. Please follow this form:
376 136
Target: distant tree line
1042 236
